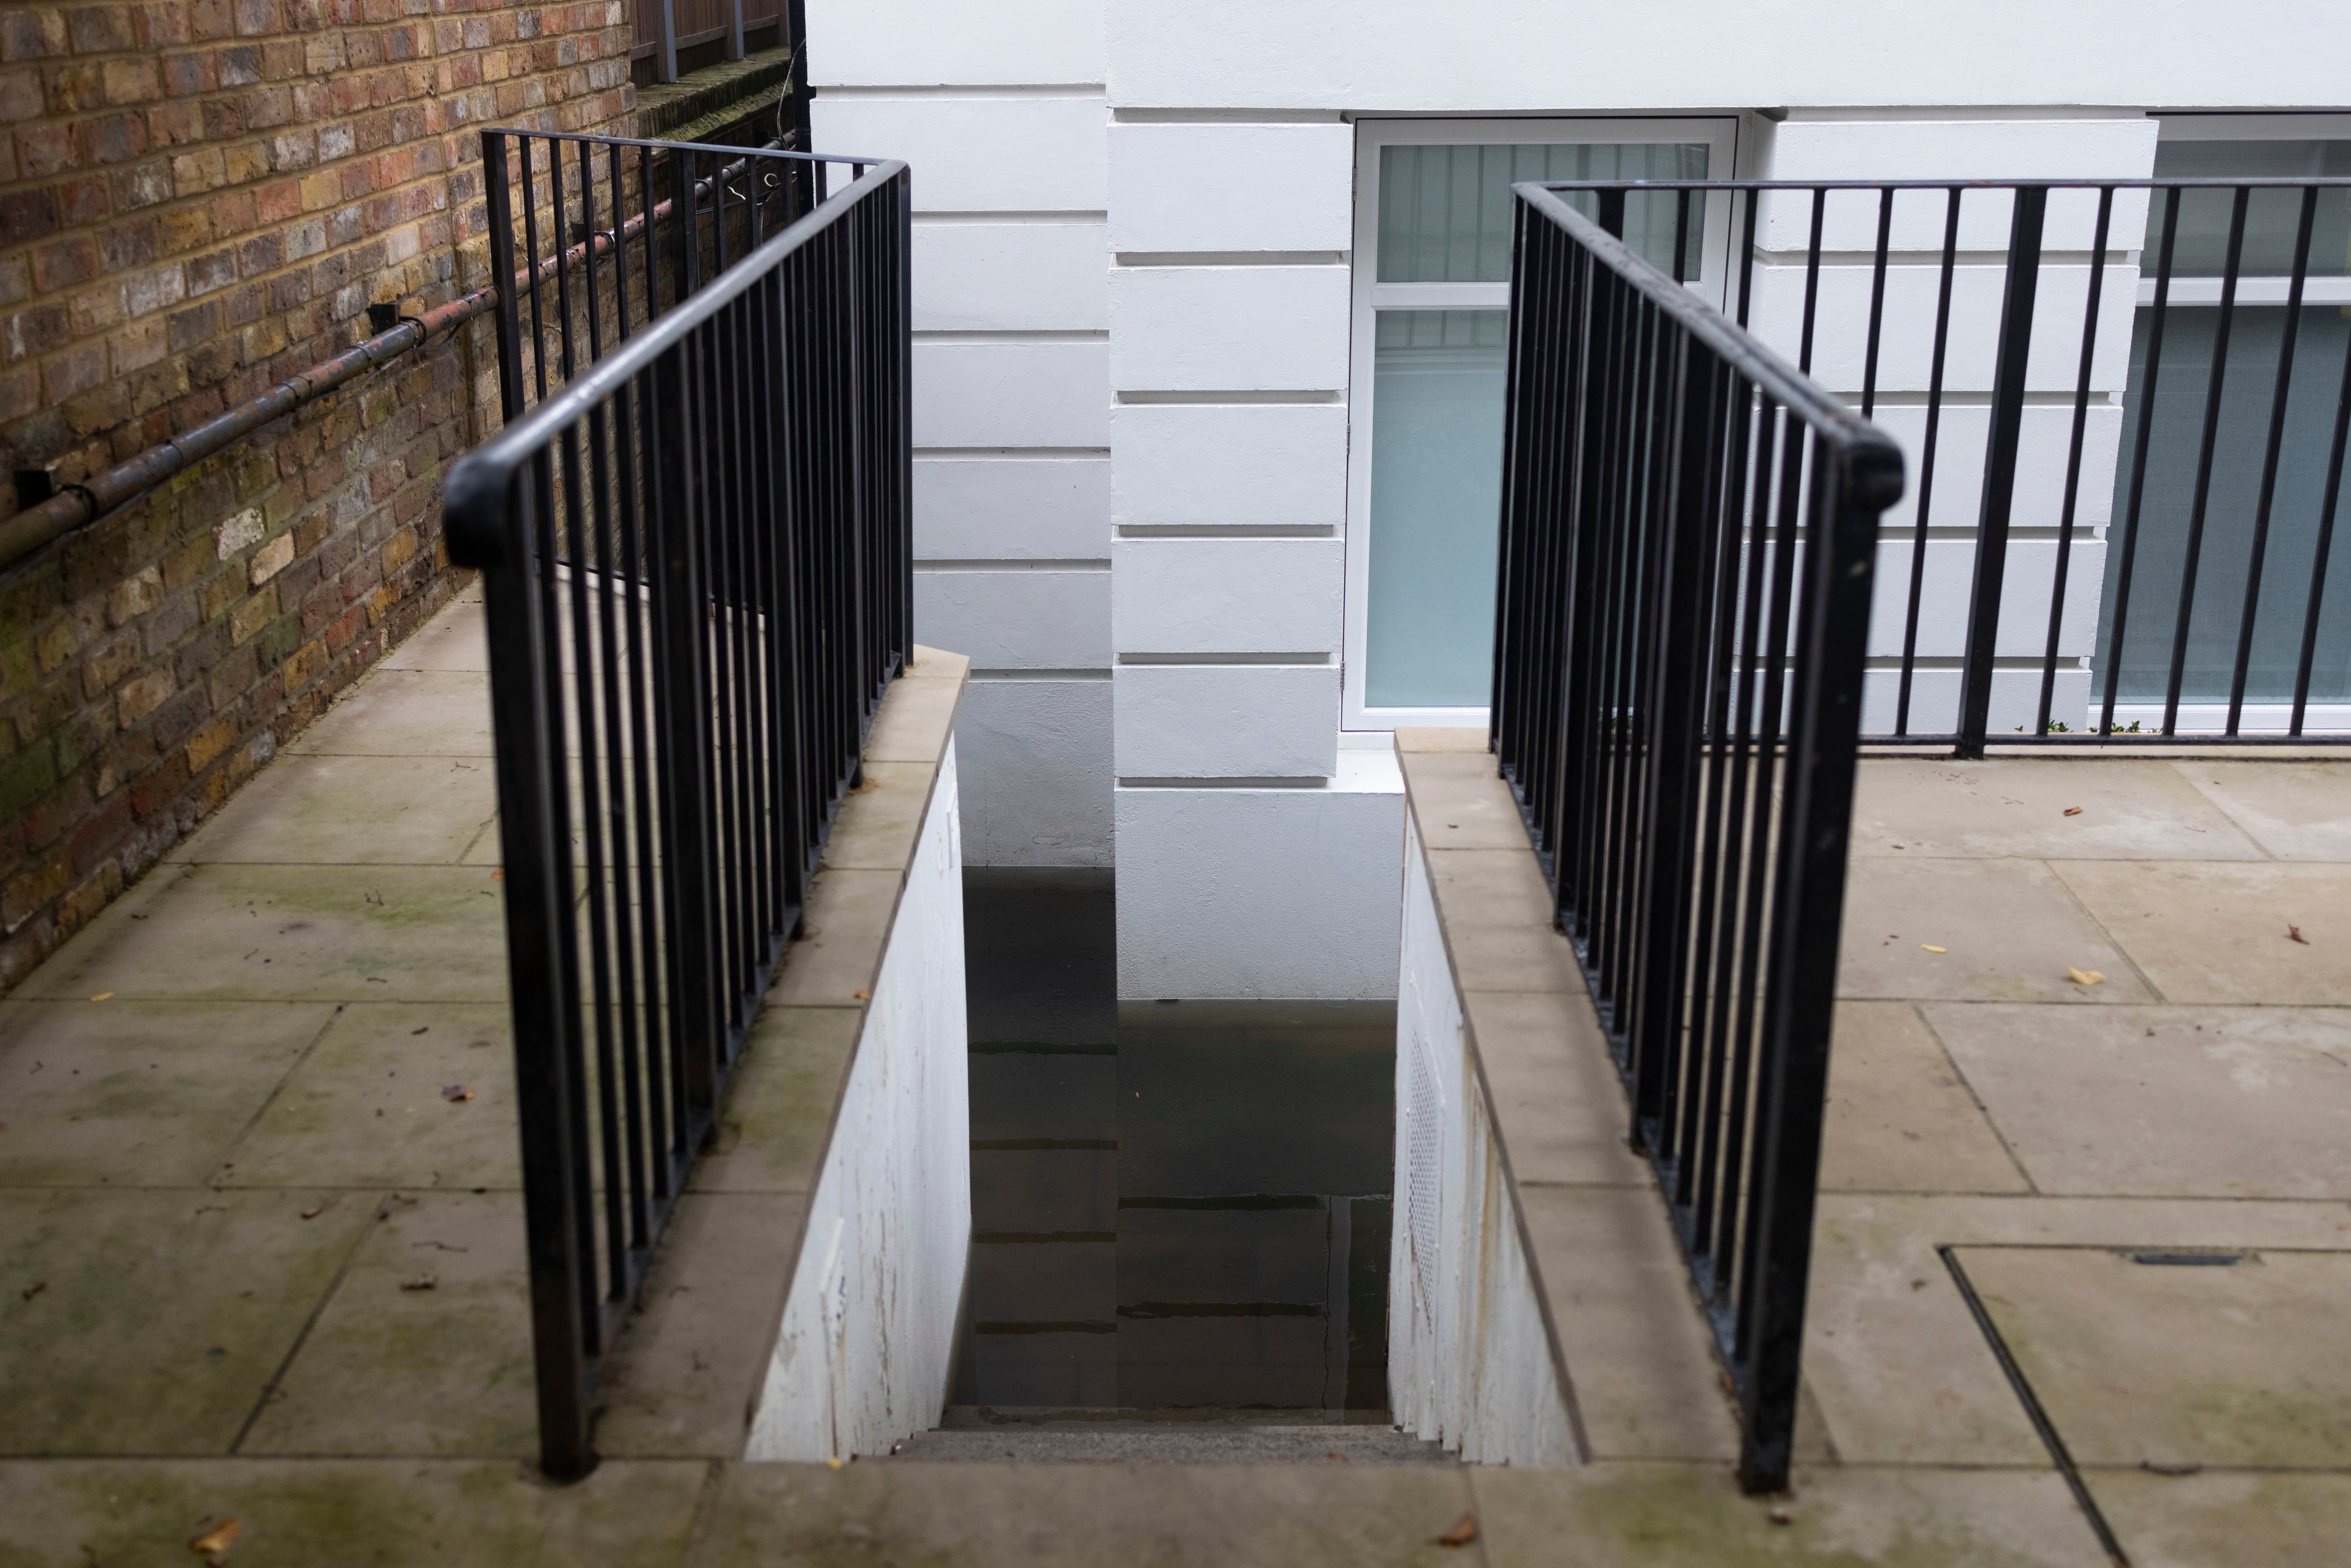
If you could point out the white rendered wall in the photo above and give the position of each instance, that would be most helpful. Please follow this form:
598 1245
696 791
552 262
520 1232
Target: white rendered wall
1934 144
1000 111
1470 1361
868 1334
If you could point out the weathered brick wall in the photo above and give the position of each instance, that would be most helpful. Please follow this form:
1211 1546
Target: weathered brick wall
197 200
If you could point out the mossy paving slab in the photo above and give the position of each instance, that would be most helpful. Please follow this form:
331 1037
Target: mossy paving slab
1692 1516
424 1348
124 1094
350 811
2220 1517
151 1322
1079 1516
2141 1359
286 933
344 1513
408 1094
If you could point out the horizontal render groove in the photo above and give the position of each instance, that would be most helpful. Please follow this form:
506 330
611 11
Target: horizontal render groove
1214 398
1041 675
1228 530
1232 258
1227 116
1011 335
1166 659
1001 563
1306 783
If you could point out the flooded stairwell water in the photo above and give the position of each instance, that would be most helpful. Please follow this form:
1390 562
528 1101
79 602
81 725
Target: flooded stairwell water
1180 1210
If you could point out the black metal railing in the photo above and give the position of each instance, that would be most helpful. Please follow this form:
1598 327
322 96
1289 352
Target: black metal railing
2126 401
608 232
696 562
1690 527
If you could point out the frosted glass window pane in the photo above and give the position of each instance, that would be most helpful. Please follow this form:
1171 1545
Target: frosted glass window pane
1445 211
2271 217
1437 487
2225 561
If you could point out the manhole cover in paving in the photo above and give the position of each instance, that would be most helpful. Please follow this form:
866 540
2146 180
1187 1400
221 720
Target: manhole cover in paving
2179 1357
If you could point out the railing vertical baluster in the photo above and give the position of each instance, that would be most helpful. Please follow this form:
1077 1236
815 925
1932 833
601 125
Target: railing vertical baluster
2073 458
2115 644
2259 553
2009 375
2203 495
2331 493
1924 506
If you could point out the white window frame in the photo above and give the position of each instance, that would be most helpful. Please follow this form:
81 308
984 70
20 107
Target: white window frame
1720 132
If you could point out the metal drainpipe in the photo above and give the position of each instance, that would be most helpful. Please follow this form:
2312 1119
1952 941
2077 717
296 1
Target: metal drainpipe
76 504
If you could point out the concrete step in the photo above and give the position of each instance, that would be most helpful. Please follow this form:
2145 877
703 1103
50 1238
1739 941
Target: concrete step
967 1438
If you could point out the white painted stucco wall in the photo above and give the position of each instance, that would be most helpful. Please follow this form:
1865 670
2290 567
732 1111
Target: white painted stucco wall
1470 1362
867 1340
1133 237
1000 110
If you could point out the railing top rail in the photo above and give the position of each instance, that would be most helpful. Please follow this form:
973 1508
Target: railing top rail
477 487
2169 182
685 146
1879 460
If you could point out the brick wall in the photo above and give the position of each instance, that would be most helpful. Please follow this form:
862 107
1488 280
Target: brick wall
197 200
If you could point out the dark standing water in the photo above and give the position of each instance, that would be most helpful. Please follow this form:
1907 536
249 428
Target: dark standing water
1177 1209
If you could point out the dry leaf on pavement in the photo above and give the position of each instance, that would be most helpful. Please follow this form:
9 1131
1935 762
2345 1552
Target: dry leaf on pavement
213 1544
2293 934
2084 976
2072 811
1464 1532
455 1093
1932 948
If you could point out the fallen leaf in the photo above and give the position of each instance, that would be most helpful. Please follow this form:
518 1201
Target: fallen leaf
2085 976
833 1463
420 1029
1334 1454
421 1283
1464 1532
1932 948
101 995
2072 811
213 1543
29 1291
455 1093
499 874
862 995
2293 934
314 1213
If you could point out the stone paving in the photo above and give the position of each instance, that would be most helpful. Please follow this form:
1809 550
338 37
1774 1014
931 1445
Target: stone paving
256 1261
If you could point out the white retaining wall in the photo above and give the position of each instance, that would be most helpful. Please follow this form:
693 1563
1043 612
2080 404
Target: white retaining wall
1469 1359
868 1334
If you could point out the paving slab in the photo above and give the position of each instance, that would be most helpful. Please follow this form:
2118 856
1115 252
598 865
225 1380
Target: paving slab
2237 1518
778 1119
2206 933
291 932
405 713
349 1513
1640 1358
689 1362
1079 1516
138 1093
1692 1516
1899 1116
2010 930
1901 1371
424 1347
152 1321
2141 1358
1496 913
2296 810
2164 1100
370 1105
350 811
2127 808
1556 1097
